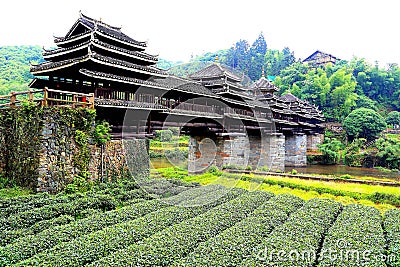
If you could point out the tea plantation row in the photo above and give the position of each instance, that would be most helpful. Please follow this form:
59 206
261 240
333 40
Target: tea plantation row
166 224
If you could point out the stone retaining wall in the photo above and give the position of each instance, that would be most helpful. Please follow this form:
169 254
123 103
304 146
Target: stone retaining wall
42 152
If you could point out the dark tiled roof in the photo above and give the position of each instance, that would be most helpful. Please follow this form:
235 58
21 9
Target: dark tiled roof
185 85
106 29
214 71
290 98
302 107
122 79
100 59
264 83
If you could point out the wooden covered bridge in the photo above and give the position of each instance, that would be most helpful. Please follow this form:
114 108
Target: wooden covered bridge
97 66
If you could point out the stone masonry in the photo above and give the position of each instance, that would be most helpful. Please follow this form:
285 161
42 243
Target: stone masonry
296 150
267 152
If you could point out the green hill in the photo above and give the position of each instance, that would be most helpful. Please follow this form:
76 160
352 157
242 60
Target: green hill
14 67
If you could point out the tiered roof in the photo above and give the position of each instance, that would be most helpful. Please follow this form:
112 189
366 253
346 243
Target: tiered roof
84 26
94 49
302 108
222 81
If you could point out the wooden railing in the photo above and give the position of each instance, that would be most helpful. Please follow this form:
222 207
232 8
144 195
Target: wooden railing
47 98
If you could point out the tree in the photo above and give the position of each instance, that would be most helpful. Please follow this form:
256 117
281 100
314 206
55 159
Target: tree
393 119
389 151
330 150
364 123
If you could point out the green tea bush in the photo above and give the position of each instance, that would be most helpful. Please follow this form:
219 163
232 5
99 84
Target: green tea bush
357 229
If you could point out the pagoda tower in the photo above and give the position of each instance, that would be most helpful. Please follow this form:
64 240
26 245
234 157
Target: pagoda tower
95 55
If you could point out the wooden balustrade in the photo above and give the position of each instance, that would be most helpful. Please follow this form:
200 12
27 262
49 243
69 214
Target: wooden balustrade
48 97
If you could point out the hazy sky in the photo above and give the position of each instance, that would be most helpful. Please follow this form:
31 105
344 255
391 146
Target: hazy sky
178 29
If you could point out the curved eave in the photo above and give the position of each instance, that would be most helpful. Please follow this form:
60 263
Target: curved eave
137 45
62 41
291 123
96 59
48 55
238 86
43 69
126 65
234 93
121 79
193 92
125 52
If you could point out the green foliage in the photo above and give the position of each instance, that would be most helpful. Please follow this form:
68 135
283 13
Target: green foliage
392 229
358 228
330 150
353 154
90 247
235 244
302 232
158 250
164 135
389 151
102 133
364 123
14 67
346 176
393 119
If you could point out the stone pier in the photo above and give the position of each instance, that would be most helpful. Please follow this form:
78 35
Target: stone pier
267 152
296 150
313 140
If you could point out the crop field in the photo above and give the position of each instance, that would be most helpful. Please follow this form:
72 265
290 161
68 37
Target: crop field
164 223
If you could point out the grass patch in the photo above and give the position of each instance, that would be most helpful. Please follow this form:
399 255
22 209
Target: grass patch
14 192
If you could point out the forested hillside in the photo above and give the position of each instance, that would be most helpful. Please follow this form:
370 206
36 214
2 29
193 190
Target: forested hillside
337 90
14 67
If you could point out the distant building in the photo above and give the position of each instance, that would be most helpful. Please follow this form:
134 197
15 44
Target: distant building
319 58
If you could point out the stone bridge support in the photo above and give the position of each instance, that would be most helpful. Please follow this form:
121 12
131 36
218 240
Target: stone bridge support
296 150
313 140
265 152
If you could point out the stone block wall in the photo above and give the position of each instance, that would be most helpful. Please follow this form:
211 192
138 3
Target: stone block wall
56 156
120 158
203 153
313 140
2 151
38 149
267 152
296 150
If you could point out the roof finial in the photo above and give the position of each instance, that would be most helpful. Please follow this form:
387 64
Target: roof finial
262 72
216 58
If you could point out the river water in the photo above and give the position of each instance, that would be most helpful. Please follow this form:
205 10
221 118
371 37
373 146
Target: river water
337 170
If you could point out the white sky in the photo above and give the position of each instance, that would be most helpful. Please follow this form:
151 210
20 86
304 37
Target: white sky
176 29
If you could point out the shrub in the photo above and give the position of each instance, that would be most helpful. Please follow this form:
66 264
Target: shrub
164 135
392 229
358 228
302 232
164 247
231 246
91 247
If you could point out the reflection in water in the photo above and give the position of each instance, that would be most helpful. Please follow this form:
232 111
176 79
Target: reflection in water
337 170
